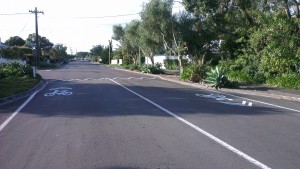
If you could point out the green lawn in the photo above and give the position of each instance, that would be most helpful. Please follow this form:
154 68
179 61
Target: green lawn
14 85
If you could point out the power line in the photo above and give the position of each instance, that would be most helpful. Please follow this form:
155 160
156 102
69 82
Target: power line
15 14
112 16
99 17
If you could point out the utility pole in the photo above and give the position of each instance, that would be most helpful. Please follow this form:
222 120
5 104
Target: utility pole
37 46
109 48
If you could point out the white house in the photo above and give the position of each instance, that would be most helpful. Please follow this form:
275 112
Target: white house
160 59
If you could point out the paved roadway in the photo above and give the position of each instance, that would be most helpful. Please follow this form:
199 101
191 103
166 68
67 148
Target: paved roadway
105 118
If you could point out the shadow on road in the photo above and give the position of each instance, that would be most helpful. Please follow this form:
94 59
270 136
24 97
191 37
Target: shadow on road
107 99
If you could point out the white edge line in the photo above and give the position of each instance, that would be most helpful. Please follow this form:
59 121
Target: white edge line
19 109
274 105
224 144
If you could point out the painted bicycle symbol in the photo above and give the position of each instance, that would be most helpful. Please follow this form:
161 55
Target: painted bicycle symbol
223 99
64 91
214 96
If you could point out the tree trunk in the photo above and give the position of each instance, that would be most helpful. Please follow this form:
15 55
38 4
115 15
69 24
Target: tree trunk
287 10
152 59
296 8
180 64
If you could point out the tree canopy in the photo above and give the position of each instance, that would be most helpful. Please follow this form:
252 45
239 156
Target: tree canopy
258 40
15 41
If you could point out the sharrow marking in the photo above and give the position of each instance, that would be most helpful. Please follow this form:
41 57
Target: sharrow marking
224 144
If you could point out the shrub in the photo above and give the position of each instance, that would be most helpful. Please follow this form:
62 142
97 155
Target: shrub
187 71
171 64
194 72
27 70
133 67
127 61
216 78
240 76
290 81
13 69
156 69
145 68
2 65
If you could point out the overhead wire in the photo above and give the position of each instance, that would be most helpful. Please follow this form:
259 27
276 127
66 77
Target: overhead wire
15 14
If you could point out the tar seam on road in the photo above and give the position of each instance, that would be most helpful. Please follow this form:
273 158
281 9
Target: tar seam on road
224 144
19 109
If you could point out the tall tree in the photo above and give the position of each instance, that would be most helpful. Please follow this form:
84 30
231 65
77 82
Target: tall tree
152 26
97 50
15 41
82 54
132 40
118 33
60 51
45 43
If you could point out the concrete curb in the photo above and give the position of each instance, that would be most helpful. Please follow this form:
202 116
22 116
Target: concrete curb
275 95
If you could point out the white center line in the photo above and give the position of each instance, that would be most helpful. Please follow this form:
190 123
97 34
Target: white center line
224 144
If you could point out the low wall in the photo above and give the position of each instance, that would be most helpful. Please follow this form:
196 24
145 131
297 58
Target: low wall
4 60
116 61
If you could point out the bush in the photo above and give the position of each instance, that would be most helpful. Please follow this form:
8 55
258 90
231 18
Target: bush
156 69
16 52
145 68
15 69
27 70
187 71
134 67
216 78
127 61
2 65
244 70
194 72
171 64
290 81
240 76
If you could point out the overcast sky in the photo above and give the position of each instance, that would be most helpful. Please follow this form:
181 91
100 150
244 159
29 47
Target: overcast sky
73 23
77 24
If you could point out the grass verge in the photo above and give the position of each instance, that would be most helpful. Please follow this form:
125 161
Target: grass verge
14 85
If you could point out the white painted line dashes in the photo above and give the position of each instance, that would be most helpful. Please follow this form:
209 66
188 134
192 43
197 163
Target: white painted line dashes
115 78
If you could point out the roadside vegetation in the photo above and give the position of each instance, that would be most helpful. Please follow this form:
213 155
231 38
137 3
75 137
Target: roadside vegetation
253 42
16 78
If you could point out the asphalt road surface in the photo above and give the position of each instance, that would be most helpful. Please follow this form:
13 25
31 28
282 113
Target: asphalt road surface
94 117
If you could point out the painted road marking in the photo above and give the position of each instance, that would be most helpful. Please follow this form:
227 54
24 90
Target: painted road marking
214 96
115 78
261 102
64 91
19 109
222 98
224 144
